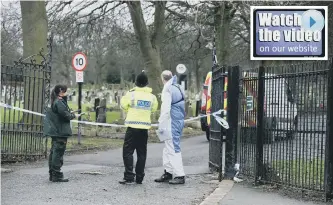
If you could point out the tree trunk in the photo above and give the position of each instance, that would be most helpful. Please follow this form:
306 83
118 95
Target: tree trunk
34 28
149 46
222 22
122 76
198 83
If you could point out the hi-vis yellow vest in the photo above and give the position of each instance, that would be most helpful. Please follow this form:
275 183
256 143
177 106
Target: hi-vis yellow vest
139 103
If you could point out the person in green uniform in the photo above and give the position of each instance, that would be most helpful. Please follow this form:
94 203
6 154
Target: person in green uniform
57 126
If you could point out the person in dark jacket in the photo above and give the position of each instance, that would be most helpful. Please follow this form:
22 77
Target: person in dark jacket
57 126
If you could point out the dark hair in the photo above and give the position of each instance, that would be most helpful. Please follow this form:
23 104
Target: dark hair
55 92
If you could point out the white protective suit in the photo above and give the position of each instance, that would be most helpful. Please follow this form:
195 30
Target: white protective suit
171 124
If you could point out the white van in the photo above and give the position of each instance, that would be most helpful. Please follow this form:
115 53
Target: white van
280 110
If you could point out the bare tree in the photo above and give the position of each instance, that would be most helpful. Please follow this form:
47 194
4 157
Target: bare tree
149 44
34 29
11 43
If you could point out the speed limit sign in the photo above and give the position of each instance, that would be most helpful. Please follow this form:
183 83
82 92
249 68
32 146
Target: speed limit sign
79 61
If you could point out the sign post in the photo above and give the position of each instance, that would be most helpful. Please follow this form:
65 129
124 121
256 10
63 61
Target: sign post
79 63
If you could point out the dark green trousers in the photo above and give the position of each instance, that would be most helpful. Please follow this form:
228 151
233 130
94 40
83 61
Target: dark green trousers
56 157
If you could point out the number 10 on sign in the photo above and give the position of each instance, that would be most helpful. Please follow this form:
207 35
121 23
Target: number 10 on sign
79 61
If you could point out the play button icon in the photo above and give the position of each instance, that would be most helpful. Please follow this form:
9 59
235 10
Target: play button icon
313 20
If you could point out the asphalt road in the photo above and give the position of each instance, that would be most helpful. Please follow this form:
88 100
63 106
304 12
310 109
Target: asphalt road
30 185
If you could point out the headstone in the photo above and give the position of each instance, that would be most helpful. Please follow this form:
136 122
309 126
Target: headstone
22 95
187 110
74 98
88 96
100 94
116 96
197 97
110 98
190 110
96 104
102 111
3 91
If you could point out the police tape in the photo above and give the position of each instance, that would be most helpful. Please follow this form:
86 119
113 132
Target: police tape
219 119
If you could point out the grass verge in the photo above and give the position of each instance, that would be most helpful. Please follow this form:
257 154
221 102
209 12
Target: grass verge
88 143
23 145
301 173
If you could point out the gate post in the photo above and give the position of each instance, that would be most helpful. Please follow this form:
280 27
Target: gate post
47 83
222 139
232 118
216 135
260 124
329 137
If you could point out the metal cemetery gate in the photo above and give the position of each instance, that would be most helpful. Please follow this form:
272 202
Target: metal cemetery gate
280 125
216 135
221 140
24 85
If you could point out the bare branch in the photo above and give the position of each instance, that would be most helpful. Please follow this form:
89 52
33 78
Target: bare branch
159 23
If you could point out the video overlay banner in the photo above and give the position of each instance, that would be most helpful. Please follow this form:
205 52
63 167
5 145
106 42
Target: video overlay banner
289 33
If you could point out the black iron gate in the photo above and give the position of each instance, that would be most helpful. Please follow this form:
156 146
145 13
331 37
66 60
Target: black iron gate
285 117
25 85
281 121
216 135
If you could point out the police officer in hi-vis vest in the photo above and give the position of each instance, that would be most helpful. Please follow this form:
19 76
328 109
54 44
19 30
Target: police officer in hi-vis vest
139 103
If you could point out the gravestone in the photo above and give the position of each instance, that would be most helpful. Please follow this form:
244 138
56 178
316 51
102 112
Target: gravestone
110 99
116 97
102 111
187 108
100 94
96 105
123 114
74 98
190 110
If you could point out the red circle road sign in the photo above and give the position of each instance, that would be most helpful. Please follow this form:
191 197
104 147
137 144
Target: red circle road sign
79 61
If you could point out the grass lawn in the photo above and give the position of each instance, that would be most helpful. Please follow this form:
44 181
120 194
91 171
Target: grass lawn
14 116
18 142
91 142
11 116
91 116
301 173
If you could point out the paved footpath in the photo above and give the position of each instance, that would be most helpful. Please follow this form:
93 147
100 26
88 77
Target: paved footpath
248 195
29 184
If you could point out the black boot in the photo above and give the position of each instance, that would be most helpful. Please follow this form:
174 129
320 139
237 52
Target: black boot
125 181
59 177
166 177
177 180
138 180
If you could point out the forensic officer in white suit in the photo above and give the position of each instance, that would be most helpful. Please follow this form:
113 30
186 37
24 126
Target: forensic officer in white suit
171 124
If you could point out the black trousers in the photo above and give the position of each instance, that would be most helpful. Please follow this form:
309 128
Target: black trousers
56 157
135 139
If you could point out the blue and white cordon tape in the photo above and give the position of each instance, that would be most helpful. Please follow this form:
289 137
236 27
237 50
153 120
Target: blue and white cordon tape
219 119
